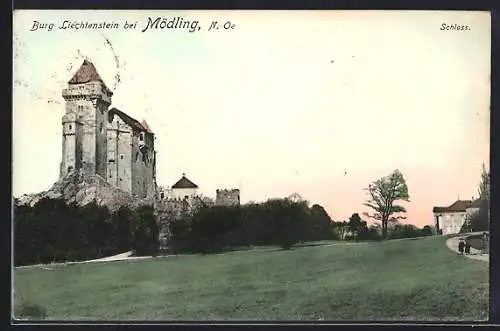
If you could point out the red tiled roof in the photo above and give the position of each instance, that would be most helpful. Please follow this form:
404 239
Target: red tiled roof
86 73
184 183
132 122
457 206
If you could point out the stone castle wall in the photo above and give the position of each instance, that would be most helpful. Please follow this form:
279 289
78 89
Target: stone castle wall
227 197
86 106
143 177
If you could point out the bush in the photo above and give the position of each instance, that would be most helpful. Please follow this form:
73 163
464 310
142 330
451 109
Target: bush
146 232
53 231
371 235
401 231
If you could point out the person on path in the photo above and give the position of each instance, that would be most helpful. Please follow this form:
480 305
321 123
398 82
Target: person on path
467 247
461 245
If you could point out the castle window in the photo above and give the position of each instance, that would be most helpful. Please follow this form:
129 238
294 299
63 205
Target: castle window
70 127
121 156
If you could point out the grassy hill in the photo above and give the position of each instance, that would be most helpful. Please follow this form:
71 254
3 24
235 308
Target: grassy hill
395 280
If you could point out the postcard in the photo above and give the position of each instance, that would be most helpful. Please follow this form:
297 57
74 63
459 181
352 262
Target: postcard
246 166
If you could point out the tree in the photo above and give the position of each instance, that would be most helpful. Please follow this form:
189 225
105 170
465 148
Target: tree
484 185
145 231
291 222
357 226
427 230
479 220
383 194
341 229
321 224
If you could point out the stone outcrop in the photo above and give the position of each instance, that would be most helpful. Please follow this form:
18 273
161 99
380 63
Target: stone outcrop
81 189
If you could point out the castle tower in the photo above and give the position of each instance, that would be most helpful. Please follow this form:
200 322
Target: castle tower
84 122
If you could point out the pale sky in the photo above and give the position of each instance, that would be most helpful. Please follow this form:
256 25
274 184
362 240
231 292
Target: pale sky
315 102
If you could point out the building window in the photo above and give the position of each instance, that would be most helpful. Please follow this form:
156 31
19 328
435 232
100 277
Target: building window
70 127
100 128
141 136
121 156
70 168
120 179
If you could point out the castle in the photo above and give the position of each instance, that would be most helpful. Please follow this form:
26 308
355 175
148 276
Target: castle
105 142
111 144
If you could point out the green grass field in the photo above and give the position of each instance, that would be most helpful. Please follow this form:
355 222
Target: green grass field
395 280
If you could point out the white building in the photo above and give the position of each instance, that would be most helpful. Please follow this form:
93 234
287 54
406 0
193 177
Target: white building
184 188
450 219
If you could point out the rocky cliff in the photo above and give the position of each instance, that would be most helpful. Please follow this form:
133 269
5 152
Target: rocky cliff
84 189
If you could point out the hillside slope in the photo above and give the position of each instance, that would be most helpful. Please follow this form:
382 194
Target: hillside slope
410 280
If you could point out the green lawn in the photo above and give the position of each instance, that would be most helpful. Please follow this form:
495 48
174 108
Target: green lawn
395 280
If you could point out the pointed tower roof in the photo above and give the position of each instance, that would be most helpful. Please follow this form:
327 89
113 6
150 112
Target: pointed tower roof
146 126
184 183
86 73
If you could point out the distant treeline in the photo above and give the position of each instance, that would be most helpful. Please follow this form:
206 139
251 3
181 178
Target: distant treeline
275 222
279 222
52 231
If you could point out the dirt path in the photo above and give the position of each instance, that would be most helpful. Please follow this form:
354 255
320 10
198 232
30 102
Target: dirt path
118 257
452 244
